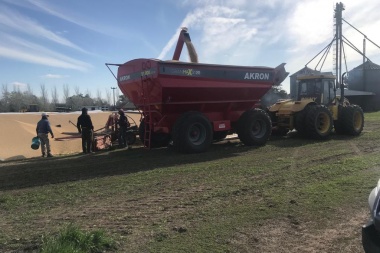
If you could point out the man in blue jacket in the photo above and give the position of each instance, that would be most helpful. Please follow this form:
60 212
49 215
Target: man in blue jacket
43 129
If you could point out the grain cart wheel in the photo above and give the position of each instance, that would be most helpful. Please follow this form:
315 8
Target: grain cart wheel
319 122
254 127
192 133
157 139
352 120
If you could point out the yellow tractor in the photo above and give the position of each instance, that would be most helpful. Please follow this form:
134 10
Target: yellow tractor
317 110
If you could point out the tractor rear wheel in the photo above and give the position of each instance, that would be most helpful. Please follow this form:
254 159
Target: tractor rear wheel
254 127
192 133
351 120
157 139
319 122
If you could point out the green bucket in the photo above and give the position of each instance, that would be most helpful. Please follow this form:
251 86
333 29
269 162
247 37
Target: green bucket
36 143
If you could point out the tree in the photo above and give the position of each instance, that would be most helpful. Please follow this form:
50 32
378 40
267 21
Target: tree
99 101
124 101
272 96
44 97
5 98
54 96
66 92
108 96
77 90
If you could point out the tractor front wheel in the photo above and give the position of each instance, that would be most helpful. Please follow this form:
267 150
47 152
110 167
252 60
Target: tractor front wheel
319 122
299 120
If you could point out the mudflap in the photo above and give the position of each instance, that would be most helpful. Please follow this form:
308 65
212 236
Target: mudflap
370 238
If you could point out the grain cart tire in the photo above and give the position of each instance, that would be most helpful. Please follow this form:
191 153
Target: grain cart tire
352 120
157 139
192 133
299 121
254 127
319 122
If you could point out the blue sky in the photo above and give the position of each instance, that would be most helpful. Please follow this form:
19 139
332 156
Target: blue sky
68 42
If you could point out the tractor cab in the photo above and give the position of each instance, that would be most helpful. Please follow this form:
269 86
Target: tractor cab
319 88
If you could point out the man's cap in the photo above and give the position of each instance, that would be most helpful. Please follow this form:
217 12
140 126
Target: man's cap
44 114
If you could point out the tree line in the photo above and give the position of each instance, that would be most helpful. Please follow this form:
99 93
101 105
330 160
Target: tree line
48 100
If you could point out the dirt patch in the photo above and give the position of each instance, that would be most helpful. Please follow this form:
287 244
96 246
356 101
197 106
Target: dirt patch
292 235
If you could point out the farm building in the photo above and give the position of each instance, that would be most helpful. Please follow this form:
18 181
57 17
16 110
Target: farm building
366 78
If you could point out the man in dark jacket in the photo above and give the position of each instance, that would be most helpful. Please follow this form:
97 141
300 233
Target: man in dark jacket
43 129
86 128
123 125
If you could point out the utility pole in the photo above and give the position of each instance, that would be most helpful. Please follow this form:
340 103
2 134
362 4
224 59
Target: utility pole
113 92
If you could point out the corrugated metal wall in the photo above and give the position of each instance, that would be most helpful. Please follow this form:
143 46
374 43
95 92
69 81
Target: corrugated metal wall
370 81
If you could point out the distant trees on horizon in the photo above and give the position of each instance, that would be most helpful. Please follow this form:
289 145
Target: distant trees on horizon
21 101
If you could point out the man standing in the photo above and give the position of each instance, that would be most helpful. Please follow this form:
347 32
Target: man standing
43 129
86 128
123 125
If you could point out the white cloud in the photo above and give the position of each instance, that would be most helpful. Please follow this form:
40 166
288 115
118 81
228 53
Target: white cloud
15 48
68 15
19 85
253 32
311 28
53 76
23 24
220 28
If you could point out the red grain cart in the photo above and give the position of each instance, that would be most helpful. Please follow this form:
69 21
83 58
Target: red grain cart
192 104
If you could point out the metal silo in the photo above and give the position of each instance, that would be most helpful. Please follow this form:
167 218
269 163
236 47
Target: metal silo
366 77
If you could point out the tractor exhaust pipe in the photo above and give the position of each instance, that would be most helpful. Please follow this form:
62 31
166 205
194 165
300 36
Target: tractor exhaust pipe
342 89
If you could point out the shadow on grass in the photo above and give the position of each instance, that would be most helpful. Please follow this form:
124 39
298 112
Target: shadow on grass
44 171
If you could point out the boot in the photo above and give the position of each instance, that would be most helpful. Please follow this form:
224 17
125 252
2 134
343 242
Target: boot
43 154
49 155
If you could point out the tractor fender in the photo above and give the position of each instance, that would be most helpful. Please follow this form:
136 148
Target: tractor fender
290 106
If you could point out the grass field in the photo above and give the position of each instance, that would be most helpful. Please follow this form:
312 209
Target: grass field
292 195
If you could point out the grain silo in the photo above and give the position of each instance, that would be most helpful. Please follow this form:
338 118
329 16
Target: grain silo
366 77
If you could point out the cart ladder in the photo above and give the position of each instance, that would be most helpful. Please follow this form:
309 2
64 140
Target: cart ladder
147 113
